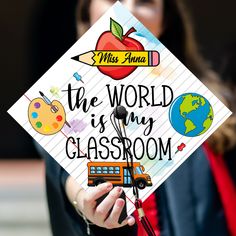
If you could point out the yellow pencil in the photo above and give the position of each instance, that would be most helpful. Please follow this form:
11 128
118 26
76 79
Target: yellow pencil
119 58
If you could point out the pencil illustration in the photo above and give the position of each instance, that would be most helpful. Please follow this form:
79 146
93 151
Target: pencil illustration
119 58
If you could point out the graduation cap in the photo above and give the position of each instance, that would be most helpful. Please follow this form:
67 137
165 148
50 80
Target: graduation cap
129 111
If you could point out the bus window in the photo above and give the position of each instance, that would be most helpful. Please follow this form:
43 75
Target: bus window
92 170
139 171
117 170
98 170
111 170
127 177
104 170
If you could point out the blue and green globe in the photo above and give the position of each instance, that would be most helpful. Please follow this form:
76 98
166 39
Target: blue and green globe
191 114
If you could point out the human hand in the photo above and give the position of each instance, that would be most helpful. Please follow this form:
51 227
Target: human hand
101 214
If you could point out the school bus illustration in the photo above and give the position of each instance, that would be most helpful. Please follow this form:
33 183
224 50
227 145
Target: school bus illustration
117 173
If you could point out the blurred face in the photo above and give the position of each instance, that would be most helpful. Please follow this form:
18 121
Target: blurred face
149 12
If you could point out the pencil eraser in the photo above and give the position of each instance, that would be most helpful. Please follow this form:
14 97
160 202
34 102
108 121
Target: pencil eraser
155 58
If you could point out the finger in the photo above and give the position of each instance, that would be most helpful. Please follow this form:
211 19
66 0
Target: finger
130 220
116 211
105 206
94 193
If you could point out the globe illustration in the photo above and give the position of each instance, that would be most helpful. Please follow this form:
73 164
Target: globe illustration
191 114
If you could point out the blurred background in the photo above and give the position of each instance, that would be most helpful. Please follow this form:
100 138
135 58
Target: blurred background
34 34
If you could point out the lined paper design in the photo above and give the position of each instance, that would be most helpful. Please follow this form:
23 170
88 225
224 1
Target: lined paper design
170 72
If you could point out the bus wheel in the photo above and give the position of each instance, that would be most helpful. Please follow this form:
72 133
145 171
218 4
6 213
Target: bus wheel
98 181
141 184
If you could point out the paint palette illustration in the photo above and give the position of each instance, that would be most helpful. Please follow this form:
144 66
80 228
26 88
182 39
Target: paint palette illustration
46 119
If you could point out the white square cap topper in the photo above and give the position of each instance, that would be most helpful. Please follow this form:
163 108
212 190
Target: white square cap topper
118 62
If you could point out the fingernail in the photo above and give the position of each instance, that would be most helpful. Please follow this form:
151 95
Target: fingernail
109 186
120 202
118 189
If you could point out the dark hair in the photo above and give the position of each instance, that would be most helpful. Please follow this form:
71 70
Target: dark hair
178 37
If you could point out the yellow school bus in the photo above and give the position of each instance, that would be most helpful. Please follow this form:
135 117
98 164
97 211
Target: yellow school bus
117 173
